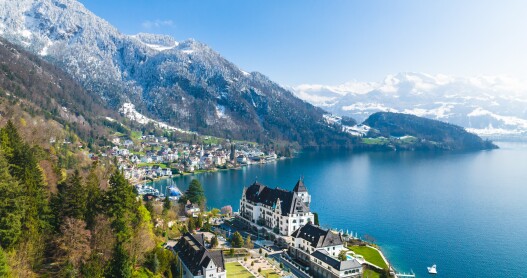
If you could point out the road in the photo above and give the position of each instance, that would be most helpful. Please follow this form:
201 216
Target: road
277 256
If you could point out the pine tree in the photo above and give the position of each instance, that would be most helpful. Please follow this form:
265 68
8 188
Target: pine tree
214 241
93 198
121 204
199 222
237 240
11 210
248 242
191 225
166 204
10 140
195 194
71 199
4 266
120 265
315 216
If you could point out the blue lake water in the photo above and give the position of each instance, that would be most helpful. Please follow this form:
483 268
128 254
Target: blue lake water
465 212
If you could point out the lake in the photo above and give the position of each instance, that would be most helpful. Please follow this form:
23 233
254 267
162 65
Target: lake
465 212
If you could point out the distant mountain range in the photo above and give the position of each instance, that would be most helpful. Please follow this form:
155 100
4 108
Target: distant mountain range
488 106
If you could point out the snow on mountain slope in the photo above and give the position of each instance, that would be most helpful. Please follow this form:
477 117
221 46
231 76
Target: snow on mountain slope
490 105
184 84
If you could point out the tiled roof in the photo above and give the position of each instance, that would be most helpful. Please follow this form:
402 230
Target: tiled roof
317 236
290 202
300 187
191 249
324 256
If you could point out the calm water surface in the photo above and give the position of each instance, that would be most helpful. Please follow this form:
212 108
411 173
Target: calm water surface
465 212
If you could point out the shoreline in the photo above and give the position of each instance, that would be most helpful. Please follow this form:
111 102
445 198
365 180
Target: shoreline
198 172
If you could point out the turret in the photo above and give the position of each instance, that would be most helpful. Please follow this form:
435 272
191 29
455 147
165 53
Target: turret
301 190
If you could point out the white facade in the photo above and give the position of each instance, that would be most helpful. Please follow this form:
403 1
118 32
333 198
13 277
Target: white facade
272 216
211 271
306 246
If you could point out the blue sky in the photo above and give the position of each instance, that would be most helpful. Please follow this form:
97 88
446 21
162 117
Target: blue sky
331 42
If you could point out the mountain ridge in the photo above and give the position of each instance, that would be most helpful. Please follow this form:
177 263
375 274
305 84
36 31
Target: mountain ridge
187 85
486 105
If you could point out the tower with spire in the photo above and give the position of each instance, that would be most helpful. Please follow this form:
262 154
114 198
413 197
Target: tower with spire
301 190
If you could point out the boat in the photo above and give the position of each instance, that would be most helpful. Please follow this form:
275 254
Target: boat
432 269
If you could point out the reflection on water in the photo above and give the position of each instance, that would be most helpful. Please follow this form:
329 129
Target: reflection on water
454 209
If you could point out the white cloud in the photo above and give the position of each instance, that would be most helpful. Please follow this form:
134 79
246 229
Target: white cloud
419 83
153 24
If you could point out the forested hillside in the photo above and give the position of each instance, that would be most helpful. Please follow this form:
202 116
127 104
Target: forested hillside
75 218
432 134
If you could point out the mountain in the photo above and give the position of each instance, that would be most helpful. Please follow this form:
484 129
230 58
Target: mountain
487 106
40 88
431 134
185 84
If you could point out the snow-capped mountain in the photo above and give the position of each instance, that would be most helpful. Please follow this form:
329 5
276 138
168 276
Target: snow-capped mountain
184 84
484 105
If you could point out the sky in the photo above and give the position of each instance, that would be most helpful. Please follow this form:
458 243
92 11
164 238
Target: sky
332 42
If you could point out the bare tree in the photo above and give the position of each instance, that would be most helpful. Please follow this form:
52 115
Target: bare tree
73 245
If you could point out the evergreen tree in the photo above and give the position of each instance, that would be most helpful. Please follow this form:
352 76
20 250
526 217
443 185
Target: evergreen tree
315 216
10 140
93 198
166 204
232 155
4 266
191 225
11 210
237 240
71 199
248 242
214 242
199 222
121 204
152 262
195 194
120 266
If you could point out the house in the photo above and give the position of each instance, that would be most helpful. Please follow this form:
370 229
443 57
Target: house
241 159
146 159
128 143
198 261
191 209
280 210
219 160
319 248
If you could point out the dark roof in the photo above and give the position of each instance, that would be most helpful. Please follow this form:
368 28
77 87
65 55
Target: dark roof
290 202
300 187
191 249
317 236
324 256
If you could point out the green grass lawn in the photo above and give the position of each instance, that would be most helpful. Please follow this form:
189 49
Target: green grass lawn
235 269
162 165
371 255
269 273
368 273
375 141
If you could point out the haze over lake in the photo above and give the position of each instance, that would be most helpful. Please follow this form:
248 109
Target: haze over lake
466 212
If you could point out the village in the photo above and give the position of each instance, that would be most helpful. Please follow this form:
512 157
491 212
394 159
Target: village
151 157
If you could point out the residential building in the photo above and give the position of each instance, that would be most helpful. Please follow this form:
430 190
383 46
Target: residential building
198 261
191 209
280 210
319 248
